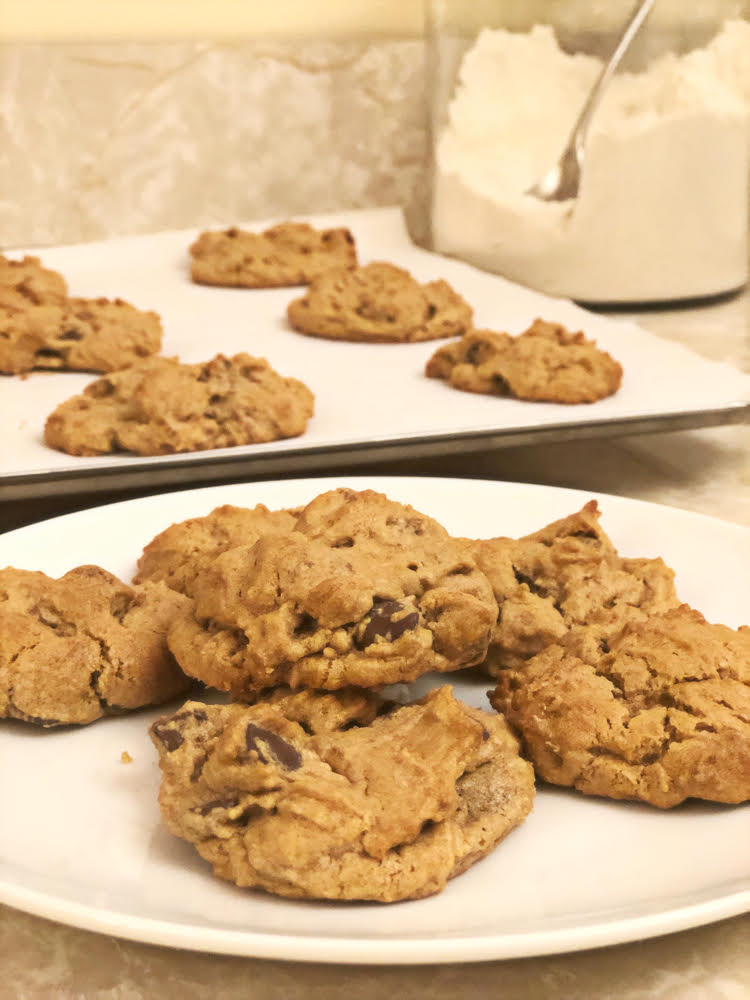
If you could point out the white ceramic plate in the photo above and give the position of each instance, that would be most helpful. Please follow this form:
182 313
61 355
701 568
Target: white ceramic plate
372 400
81 841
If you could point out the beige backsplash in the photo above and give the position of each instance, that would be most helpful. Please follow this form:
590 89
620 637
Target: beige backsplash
103 139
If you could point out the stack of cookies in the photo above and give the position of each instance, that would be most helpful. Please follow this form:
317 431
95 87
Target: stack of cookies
311 783
298 786
298 768
615 687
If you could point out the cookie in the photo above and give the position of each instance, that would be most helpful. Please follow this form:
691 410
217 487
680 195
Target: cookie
365 591
25 283
100 335
83 646
341 805
160 407
290 253
182 551
660 716
381 303
564 575
546 363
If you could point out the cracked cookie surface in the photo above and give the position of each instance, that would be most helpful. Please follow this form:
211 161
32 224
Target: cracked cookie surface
662 716
380 303
546 363
336 796
364 591
566 574
182 551
160 407
100 335
290 253
85 645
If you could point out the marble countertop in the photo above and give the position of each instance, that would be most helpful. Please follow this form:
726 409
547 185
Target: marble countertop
707 471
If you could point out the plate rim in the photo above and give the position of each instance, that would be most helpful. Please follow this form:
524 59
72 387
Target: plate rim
423 950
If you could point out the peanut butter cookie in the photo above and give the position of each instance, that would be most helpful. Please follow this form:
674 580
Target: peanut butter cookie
290 253
546 363
342 802
26 282
84 646
182 551
160 406
100 335
365 591
661 714
381 303
566 574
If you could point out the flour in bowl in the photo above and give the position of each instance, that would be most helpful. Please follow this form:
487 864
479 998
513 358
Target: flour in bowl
662 211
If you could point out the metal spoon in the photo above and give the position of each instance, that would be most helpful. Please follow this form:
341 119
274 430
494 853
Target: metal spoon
563 180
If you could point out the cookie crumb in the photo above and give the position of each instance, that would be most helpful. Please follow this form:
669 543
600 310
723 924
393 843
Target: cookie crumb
125 757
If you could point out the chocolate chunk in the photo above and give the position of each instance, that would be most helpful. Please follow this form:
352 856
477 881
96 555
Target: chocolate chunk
228 802
198 766
120 604
382 622
169 737
533 586
284 753
306 625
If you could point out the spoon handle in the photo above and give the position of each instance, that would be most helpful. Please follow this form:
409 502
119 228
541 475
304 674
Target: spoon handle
637 17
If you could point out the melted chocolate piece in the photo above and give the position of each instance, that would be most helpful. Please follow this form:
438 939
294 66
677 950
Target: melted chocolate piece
533 586
381 622
284 753
169 737
228 802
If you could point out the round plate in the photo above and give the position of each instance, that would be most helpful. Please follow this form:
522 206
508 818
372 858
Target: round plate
81 840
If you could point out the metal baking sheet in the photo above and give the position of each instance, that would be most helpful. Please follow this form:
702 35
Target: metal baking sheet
373 401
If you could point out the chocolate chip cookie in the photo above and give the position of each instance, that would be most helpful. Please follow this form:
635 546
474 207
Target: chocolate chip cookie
661 715
546 363
349 801
380 303
566 574
364 591
100 335
26 282
290 253
182 551
160 407
83 646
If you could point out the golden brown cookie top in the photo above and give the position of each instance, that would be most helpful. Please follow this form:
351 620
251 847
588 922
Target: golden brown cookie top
290 253
100 335
565 574
85 645
160 407
546 363
379 302
366 805
26 282
179 553
365 591
661 714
